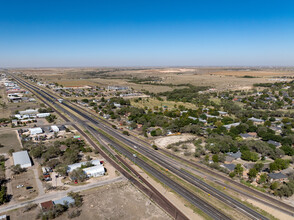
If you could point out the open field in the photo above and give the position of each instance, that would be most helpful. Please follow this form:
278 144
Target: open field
219 78
10 141
116 201
26 179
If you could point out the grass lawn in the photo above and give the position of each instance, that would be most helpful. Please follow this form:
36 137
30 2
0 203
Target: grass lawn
10 141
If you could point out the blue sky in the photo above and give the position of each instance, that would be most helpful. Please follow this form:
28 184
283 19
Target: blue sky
146 33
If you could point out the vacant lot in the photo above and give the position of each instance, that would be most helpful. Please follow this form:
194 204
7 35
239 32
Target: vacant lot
10 141
27 179
116 202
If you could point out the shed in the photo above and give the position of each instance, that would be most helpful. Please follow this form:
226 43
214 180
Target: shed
54 128
34 131
22 158
43 115
47 206
95 171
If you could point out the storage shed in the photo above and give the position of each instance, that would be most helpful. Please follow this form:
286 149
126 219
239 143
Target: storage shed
22 158
95 171
78 165
54 128
34 131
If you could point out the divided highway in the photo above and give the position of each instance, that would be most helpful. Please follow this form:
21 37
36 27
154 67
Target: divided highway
161 159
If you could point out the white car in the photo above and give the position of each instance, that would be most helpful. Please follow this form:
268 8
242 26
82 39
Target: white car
19 186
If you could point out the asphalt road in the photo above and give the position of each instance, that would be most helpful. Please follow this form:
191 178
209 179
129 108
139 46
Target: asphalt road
171 165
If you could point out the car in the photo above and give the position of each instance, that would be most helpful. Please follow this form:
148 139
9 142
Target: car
19 186
29 187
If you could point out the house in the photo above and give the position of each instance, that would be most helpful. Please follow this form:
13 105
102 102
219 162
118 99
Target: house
230 166
256 120
117 105
22 158
78 165
248 135
277 176
221 113
65 200
35 131
47 206
275 143
95 171
231 125
236 155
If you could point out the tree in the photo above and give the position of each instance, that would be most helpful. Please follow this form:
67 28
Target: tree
78 174
238 169
274 185
36 152
258 166
11 151
16 169
215 158
126 133
62 170
262 178
77 197
252 173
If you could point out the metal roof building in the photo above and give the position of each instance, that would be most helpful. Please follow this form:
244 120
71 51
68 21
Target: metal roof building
65 200
54 128
34 131
22 158
78 165
95 171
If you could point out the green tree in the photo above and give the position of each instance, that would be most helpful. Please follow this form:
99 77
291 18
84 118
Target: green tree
252 173
215 158
238 169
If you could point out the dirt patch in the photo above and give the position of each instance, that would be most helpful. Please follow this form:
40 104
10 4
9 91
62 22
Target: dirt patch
165 141
10 141
27 179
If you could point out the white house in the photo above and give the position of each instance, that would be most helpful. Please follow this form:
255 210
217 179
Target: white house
22 158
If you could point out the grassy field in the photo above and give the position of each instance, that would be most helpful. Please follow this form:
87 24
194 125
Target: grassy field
10 141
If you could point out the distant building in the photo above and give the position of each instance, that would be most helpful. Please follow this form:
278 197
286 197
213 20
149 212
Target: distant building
29 112
22 158
232 125
256 120
275 143
230 166
118 88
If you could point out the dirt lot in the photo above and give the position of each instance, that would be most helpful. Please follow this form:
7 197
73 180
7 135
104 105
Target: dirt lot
116 201
26 179
10 141
165 141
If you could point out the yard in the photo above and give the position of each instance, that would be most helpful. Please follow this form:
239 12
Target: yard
10 141
26 179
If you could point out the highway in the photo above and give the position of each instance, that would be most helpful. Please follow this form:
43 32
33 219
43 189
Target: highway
164 161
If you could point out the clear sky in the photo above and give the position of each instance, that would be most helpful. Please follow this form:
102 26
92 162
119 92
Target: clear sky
44 33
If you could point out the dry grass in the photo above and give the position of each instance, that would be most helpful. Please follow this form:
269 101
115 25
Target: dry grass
27 179
10 141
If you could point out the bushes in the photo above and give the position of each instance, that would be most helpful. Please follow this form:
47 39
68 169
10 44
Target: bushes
279 164
249 156
16 169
